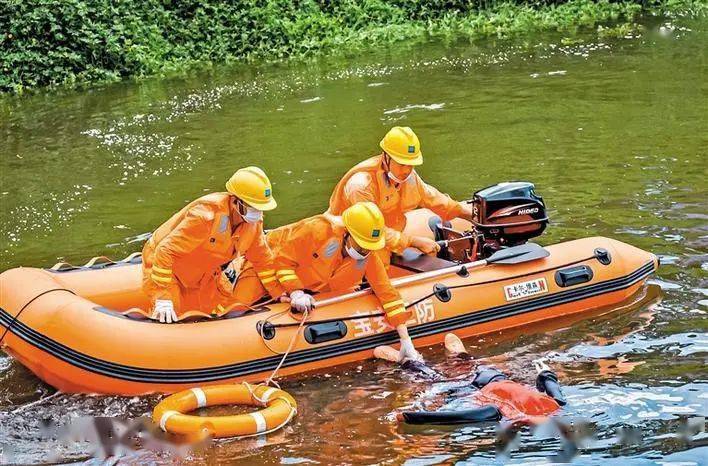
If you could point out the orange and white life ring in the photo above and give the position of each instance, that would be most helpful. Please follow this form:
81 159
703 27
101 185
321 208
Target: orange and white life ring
279 409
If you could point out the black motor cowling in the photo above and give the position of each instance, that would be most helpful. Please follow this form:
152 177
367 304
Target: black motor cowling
509 213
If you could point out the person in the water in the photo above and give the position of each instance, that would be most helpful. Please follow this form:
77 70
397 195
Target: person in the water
497 397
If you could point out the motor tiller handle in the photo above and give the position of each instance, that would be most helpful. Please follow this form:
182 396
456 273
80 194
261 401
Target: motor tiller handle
446 242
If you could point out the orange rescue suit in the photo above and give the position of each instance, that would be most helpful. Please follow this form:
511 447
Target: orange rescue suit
369 181
183 259
309 255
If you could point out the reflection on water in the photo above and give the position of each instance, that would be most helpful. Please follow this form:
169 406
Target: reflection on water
611 131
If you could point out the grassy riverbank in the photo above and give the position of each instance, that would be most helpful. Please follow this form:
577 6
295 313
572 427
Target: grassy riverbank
76 42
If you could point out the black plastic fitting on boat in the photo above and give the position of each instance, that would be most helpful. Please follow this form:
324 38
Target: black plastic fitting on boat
265 329
442 292
573 275
326 331
603 256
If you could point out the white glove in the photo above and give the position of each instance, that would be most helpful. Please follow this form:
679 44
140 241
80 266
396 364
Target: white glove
164 311
408 351
301 301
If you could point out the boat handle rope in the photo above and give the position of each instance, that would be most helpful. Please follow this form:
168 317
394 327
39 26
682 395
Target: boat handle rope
17 316
435 292
271 379
313 322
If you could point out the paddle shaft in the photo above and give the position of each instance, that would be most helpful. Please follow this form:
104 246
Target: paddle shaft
399 282
502 256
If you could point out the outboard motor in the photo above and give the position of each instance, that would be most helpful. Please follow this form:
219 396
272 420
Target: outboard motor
503 215
511 213
507 214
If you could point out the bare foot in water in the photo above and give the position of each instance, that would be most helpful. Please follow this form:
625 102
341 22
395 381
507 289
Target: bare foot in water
454 345
386 353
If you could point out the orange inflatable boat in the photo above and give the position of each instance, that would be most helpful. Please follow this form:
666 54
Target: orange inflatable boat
70 327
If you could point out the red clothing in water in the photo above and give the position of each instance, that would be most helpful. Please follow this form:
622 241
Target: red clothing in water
516 401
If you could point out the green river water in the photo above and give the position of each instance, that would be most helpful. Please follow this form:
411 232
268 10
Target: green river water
614 132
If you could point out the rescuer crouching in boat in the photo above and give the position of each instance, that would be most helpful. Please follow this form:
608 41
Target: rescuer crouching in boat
183 260
496 398
390 181
331 253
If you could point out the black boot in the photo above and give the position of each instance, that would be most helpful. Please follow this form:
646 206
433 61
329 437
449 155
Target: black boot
487 413
547 382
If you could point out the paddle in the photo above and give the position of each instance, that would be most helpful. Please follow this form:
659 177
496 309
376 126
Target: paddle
518 254
513 255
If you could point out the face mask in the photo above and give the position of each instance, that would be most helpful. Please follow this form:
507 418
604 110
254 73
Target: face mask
393 178
354 254
253 215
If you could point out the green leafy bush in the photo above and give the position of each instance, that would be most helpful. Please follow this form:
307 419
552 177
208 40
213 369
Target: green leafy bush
65 42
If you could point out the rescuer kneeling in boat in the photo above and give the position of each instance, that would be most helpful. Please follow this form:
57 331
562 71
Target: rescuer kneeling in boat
331 253
495 398
390 181
184 262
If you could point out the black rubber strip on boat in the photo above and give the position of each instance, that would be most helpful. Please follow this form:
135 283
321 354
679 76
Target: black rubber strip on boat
182 376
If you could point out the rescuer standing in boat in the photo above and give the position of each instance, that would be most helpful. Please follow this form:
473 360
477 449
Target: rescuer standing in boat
331 253
183 260
390 181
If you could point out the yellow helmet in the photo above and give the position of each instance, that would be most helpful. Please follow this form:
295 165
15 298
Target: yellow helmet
402 145
252 186
365 222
